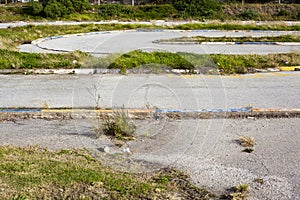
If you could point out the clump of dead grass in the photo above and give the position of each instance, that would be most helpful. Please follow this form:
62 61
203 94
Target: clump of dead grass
246 141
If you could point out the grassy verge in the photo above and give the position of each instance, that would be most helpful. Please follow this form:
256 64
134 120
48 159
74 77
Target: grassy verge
200 39
136 59
239 64
154 61
37 173
16 60
226 64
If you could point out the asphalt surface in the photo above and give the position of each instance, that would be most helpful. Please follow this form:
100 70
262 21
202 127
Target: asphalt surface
166 91
102 43
205 149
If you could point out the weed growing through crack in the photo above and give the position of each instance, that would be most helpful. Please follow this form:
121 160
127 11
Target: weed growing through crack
94 93
117 126
246 141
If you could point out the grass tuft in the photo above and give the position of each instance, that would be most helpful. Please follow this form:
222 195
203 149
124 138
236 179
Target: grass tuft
118 126
239 192
246 141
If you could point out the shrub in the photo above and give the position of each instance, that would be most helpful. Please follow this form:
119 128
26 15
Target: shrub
35 8
248 15
283 13
80 5
54 9
110 11
155 12
197 8
58 8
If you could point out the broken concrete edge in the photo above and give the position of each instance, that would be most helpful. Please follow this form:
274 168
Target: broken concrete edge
139 114
87 71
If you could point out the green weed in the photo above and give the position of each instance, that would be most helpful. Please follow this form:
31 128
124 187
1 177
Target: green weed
17 60
118 126
140 59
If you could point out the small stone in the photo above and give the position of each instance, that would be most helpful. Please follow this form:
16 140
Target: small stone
157 190
106 149
126 150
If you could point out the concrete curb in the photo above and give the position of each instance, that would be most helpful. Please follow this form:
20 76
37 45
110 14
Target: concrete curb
138 114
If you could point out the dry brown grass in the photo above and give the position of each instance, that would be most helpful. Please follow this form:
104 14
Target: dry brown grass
246 141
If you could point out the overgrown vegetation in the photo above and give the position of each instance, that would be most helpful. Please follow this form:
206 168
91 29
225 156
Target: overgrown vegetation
37 173
153 61
198 9
226 64
232 64
146 12
136 59
57 8
183 9
257 11
24 61
117 126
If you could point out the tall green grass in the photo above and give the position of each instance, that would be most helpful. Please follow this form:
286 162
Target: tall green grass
226 64
18 60
136 59
155 61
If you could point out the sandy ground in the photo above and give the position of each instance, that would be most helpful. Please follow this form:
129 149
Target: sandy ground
205 149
